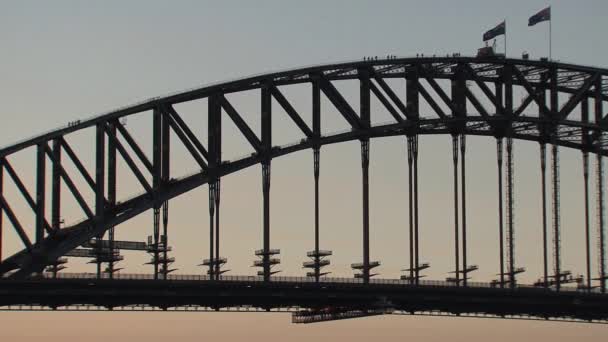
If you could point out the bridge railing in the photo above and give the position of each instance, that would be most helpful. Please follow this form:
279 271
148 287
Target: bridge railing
290 279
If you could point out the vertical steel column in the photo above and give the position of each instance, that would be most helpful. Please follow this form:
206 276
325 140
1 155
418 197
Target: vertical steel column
100 185
554 104
165 176
510 214
600 221
214 158
556 216
156 182
464 210
365 169
40 191
459 101
56 186
499 151
111 188
600 190
213 109
508 100
543 174
364 97
211 230
586 143
316 128
410 153
456 219
218 157
587 228
317 161
498 86
217 271
56 193
413 107
267 150
416 233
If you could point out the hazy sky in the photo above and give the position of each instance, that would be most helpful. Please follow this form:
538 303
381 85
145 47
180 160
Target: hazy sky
67 60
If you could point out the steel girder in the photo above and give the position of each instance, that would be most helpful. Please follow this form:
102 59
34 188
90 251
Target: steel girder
556 124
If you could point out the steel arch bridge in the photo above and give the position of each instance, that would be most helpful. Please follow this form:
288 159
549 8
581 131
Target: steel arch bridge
562 106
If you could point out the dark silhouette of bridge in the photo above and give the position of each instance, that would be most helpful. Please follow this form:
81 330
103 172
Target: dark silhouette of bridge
32 277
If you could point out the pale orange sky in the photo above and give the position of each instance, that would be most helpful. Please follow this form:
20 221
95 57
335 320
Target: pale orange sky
258 327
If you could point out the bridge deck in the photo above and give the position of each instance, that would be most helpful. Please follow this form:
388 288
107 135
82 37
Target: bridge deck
283 293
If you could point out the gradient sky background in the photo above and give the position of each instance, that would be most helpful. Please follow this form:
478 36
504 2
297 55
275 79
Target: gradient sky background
67 60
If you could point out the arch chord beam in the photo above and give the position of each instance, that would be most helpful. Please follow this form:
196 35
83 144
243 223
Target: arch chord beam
241 125
177 123
385 102
494 98
531 92
340 103
22 189
16 224
128 160
391 94
197 152
293 114
76 161
429 99
70 185
131 142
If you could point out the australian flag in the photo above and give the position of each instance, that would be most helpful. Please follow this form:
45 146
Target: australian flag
497 31
543 15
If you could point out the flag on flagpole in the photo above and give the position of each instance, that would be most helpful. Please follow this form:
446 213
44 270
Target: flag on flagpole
541 16
497 31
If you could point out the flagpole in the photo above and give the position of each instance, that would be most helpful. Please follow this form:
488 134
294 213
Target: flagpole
550 20
505 21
